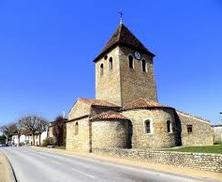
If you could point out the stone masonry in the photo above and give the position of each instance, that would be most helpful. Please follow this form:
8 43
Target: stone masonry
217 133
202 132
206 162
126 112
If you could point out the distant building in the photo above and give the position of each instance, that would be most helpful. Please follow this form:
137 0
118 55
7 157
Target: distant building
126 112
50 133
27 139
50 129
217 133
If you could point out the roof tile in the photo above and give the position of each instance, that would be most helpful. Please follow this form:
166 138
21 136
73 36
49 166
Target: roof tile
110 115
142 103
97 102
123 36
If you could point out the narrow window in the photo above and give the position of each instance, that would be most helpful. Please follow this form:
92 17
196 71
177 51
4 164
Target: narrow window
189 129
130 58
143 65
169 127
101 69
147 126
105 57
76 128
110 63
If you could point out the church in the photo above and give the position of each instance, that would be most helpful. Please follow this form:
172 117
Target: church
126 112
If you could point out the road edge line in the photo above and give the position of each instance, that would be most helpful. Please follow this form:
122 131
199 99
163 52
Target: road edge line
11 169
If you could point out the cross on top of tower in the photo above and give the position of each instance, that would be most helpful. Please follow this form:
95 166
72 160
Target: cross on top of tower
121 16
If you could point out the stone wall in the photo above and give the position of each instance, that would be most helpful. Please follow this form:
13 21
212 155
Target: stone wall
159 136
110 134
77 135
122 84
79 109
108 84
217 133
135 83
207 162
202 132
50 131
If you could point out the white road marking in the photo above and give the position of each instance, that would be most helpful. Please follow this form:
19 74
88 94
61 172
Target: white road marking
78 171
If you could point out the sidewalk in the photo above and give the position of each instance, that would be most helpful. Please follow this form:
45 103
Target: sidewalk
205 175
5 169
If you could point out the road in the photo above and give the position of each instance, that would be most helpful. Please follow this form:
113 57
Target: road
34 166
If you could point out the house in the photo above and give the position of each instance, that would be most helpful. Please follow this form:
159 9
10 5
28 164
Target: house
26 138
126 112
217 133
40 137
60 126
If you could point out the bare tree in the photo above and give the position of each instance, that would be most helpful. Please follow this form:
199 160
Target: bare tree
18 130
41 127
34 124
8 131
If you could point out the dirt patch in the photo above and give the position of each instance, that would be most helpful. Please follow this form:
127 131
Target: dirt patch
135 163
5 170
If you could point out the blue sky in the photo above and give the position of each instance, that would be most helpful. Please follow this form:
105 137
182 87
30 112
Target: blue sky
47 48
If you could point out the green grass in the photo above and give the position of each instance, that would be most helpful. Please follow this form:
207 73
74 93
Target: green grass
216 149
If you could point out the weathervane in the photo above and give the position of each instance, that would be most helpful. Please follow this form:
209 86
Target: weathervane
121 16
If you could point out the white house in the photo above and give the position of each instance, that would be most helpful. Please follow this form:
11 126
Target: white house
26 139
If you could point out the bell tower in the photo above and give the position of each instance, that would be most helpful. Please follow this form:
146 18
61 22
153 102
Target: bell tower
124 69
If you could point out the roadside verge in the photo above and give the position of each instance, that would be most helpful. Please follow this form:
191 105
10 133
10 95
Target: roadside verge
6 170
204 175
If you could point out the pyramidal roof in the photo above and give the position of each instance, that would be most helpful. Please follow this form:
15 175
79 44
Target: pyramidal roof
124 37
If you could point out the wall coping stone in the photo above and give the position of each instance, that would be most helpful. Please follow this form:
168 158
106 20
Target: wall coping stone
202 161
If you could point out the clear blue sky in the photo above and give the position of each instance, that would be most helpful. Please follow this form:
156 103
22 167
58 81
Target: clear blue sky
47 48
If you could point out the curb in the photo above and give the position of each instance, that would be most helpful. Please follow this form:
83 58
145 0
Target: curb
11 169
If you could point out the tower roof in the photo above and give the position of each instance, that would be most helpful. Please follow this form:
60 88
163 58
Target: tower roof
124 37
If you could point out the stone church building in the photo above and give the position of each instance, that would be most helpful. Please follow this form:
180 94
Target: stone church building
126 112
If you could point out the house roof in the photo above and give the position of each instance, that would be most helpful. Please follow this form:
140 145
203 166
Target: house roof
142 103
192 116
123 36
97 102
109 115
26 132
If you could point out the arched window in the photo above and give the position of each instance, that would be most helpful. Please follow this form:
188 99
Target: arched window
101 69
130 59
110 63
76 128
147 126
144 69
105 57
169 126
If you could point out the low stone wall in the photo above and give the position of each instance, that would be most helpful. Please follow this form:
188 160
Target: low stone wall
207 162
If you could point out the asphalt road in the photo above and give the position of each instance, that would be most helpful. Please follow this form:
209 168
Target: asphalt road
35 166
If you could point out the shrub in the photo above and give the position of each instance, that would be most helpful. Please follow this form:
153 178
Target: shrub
21 143
49 141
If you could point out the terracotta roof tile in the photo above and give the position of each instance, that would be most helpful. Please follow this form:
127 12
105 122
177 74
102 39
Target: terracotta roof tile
97 102
110 115
123 36
142 103
192 116
26 132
